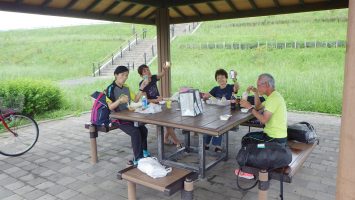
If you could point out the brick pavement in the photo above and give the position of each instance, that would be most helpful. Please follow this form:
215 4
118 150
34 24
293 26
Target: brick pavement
58 166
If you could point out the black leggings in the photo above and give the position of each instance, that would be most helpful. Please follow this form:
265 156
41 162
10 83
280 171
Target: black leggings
138 138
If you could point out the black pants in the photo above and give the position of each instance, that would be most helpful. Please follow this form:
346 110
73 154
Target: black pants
138 138
260 137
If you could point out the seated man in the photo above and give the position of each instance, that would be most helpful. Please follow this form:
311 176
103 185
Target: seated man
274 116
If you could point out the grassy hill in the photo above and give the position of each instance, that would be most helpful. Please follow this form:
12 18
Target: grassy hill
60 53
311 79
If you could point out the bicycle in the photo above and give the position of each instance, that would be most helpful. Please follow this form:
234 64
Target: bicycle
19 132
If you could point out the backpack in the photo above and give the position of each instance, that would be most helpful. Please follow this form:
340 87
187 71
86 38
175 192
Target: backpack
100 113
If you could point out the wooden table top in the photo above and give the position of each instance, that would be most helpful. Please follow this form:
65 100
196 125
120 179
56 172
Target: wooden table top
208 122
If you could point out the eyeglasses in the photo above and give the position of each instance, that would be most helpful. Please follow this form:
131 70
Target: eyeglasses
259 85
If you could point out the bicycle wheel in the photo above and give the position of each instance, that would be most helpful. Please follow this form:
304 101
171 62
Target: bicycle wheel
25 137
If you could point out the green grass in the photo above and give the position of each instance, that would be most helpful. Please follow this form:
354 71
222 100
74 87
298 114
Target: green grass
60 53
309 79
307 29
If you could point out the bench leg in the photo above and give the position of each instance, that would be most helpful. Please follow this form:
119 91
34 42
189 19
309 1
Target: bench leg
187 192
263 184
93 136
131 190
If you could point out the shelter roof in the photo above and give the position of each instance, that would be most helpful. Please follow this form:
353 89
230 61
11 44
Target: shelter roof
180 11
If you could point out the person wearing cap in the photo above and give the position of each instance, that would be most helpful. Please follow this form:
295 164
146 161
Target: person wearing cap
118 95
154 97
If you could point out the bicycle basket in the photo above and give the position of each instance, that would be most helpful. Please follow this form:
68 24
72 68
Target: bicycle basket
12 104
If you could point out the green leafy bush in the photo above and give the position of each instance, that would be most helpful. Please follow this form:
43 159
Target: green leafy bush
39 96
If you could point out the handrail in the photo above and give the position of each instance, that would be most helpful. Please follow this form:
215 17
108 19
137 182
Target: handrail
118 52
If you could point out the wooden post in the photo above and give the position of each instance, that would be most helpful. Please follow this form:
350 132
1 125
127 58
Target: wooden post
93 136
263 184
346 160
163 38
131 190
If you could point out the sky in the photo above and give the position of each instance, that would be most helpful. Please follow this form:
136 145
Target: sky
13 21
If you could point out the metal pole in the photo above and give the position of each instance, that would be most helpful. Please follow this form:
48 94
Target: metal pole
145 58
152 50
121 51
136 39
112 60
129 45
93 69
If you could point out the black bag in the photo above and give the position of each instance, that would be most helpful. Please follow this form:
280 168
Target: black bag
302 132
265 156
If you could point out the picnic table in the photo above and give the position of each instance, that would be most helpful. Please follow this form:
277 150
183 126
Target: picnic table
207 123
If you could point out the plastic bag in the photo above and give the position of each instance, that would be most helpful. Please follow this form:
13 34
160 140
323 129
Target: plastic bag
152 167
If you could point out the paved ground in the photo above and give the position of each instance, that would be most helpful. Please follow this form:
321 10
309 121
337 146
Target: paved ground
58 166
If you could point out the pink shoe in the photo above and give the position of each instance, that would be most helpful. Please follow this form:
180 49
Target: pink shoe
243 174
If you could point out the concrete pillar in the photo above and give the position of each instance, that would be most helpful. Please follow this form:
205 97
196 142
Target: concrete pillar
346 162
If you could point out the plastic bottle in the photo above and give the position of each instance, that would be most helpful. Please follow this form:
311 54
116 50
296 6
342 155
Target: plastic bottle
144 102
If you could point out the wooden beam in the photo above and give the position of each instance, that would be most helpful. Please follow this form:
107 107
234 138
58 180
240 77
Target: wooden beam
266 11
33 9
150 14
129 7
346 160
92 5
173 3
154 3
179 12
277 3
195 10
253 4
231 5
112 6
140 11
214 9
70 4
46 3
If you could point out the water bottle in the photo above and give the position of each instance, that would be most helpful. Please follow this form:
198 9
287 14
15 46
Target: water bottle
144 102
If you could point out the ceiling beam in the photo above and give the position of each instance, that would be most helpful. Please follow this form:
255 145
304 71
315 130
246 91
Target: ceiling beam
154 3
253 4
140 11
71 4
33 9
213 8
231 5
179 12
195 10
129 7
267 11
150 14
173 3
112 6
92 5
46 3
277 3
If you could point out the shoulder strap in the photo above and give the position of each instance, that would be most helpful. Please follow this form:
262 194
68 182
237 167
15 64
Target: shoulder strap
95 107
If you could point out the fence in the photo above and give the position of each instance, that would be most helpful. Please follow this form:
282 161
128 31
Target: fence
268 45
275 22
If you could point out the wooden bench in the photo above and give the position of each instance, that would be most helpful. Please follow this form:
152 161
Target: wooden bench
177 180
94 130
250 124
300 152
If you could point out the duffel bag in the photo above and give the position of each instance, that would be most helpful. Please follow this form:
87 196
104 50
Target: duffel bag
302 132
265 156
